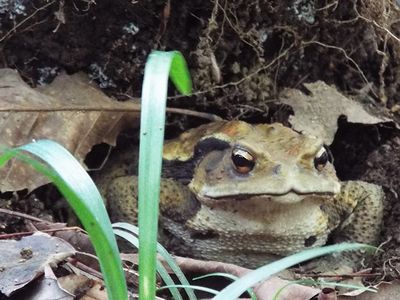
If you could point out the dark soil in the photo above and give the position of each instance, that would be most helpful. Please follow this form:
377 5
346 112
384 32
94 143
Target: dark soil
241 55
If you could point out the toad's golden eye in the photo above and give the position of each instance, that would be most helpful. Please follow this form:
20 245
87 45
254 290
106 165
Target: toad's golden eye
321 159
243 160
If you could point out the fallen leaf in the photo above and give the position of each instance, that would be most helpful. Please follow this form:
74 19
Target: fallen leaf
70 111
327 294
264 290
46 288
317 114
97 292
386 291
24 260
82 285
77 238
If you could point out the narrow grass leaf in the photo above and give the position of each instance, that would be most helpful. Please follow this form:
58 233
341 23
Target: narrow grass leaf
193 287
345 285
154 95
159 266
164 254
311 282
235 289
81 193
229 276
179 74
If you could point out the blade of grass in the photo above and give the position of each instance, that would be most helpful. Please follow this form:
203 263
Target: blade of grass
154 95
193 287
235 289
159 266
81 193
180 75
229 276
311 282
165 255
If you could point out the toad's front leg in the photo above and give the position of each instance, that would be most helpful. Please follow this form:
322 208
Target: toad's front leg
176 202
364 223
361 205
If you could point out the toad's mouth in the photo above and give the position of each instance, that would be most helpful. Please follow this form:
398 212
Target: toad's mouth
289 197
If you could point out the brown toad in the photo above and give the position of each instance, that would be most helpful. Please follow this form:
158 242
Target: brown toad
247 194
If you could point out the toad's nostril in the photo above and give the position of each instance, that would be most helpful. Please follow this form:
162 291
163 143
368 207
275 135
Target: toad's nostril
277 169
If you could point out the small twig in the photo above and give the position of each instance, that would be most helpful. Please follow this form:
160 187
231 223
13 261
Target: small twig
189 112
22 215
26 233
379 248
85 268
240 81
351 275
329 5
8 33
377 25
240 33
346 56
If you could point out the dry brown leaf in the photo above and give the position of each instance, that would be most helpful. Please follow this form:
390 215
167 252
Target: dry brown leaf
327 294
317 114
84 287
46 287
70 111
24 260
265 290
386 291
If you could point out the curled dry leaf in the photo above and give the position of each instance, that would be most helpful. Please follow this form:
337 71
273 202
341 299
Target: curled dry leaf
24 260
387 290
83 286
317 114
70 111
265 290
46 287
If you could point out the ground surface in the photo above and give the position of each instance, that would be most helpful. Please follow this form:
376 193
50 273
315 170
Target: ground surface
242 54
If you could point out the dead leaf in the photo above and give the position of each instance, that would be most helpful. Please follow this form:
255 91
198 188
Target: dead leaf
70 111
77 238
264 290
317 114
85 287
327 294
386 291
24 260
97 292
46 288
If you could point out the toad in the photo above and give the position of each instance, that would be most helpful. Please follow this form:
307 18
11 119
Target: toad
248 194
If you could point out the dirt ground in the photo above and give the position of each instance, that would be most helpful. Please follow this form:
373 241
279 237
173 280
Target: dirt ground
241 54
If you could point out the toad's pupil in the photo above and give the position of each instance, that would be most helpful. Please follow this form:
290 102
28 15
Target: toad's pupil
321 159
241 161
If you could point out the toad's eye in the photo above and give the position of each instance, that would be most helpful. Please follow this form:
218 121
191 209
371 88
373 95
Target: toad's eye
243 160
322 158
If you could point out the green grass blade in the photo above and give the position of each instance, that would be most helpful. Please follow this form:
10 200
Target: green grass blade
235 289
344 285
159 266
164 253
154 95
81 193
193 287
229 276
311 282
179 74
